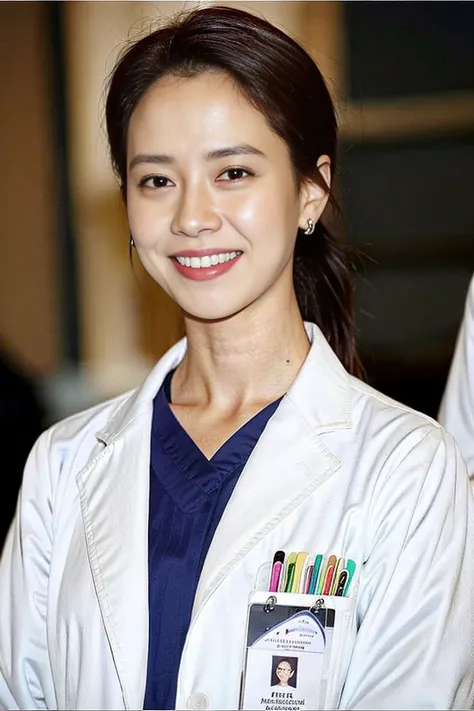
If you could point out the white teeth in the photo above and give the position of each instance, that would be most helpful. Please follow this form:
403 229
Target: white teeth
208 260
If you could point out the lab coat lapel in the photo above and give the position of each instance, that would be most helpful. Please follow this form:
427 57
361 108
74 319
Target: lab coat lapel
114 503
114 494
289 462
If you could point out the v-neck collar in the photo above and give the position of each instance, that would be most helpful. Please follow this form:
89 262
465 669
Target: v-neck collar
206 473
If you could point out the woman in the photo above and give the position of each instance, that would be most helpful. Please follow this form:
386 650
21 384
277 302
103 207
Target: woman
284 672
145 523
457 406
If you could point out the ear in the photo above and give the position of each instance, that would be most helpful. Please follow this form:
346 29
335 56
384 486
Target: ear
314 197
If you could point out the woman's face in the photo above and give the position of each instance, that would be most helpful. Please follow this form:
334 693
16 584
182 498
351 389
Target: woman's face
284 673
211 198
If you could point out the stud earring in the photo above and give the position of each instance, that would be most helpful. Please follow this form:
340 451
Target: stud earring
132 242
310 228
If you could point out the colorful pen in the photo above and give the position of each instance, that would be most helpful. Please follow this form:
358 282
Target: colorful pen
335 578
331 562
314 576
300 563
291 557
275 577
290 578
307 579
328 581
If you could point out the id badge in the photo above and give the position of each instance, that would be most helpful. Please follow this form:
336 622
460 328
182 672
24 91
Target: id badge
288 647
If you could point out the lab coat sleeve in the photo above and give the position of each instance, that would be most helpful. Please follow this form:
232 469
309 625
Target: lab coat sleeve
415 643
25 676
456 413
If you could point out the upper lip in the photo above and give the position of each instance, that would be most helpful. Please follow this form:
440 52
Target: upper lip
203 252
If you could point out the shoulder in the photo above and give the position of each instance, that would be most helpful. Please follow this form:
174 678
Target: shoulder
400 441
74 440
109 418
374 405
70 444
89 421
364 428
371 405
407 466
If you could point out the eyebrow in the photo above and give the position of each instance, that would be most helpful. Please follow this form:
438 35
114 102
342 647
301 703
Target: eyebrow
239 149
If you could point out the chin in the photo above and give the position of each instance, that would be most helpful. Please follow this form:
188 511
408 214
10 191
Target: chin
212 312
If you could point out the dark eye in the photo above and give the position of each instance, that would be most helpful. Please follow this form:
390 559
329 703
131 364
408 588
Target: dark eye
234 174
155 181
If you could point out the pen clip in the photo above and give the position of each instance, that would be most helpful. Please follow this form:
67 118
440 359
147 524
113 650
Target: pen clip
350 567
341 582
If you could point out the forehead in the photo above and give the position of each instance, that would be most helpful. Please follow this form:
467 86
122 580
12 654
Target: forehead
177 114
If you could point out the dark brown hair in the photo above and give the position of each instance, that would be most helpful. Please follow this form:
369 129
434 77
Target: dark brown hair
280 79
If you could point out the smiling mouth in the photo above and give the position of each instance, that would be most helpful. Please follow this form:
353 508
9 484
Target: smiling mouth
209 260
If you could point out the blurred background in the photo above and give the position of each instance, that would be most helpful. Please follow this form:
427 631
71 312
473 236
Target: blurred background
78 324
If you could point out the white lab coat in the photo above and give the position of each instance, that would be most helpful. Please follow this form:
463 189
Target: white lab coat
457 406
339 469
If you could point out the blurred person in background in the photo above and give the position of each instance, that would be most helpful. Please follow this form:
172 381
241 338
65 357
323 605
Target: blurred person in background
144 522
22 420
456 411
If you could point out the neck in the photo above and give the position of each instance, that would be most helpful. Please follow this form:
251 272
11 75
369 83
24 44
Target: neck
251 357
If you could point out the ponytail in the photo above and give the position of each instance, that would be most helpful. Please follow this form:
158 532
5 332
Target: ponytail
324 290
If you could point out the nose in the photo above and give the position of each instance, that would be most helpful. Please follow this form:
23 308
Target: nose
195 212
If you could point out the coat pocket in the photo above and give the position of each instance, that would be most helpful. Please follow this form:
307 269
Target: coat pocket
313 633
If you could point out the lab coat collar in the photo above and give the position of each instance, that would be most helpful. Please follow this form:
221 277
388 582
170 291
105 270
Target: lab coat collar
320 391
141 399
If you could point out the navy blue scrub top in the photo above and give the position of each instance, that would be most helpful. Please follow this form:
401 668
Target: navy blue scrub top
188 495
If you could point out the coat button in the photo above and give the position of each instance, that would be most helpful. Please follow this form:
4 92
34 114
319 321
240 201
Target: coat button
198 701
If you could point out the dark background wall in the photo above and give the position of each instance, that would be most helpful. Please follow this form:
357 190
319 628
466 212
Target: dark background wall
407 193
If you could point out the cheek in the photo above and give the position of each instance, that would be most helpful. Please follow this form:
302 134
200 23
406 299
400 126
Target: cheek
274 208
146 226
250 219
245 209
